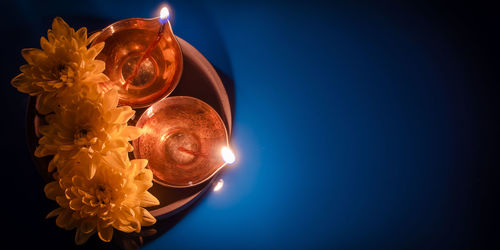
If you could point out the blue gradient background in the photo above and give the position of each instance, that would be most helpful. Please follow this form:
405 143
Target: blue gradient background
358 125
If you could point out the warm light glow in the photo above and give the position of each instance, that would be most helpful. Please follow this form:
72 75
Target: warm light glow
164 14
219 185
227 155
147 130
163 138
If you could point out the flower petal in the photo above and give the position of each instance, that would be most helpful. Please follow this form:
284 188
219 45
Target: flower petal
63 220
60 27
62 201
81 36
120 115
92 37
110 100
52 190
131 132
139 164
25 85
54 212
147 218
149 200
105 233
46 46
81 237
95 50
75 204
87 226
32 55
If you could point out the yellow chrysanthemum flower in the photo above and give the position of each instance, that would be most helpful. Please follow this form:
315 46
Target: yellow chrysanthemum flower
63 61
114 198
96 185
83 127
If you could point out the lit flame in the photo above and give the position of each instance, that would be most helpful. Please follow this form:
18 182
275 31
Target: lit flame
164 14
227 155
219 185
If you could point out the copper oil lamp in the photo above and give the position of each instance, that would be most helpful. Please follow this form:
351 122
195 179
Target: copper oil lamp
185 141
143 58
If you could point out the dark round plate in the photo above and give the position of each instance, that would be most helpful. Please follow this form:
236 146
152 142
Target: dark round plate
199 79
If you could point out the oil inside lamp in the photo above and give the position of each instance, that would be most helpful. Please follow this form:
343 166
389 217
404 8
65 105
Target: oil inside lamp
143 65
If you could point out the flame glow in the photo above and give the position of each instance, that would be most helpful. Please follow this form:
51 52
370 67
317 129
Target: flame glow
219 185
227 155
164 15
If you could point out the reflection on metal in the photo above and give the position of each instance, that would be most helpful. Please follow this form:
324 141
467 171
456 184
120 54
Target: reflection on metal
219 185
149 112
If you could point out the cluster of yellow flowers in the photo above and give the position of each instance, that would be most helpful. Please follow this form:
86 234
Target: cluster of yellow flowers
96 185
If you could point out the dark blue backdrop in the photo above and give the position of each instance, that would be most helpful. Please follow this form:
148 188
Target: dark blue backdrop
358 125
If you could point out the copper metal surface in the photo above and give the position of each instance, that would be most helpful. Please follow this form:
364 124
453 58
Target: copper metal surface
182 140
125 43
